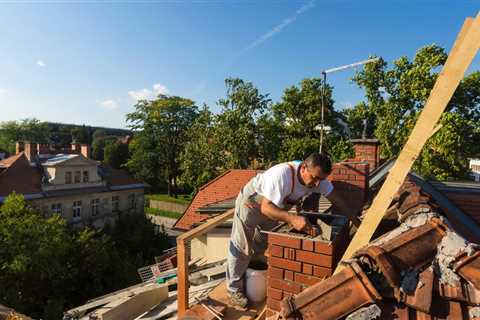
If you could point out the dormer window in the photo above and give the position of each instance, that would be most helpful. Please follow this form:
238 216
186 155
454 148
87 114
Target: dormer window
68 177
85 176
77 176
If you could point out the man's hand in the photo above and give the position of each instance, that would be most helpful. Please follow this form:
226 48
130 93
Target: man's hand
300 223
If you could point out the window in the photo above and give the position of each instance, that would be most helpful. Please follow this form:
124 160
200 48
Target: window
115 203
57 208
85 176
131 201
77 176
95 204
77 210
68 177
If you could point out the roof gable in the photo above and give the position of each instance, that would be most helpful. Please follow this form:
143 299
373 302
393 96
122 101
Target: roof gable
223 187
69 160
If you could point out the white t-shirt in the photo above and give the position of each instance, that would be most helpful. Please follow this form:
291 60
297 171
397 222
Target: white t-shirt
275 184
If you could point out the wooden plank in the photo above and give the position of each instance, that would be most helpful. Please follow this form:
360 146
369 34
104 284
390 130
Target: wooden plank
131 307
206 226
219 294
182 256
182 276
461 55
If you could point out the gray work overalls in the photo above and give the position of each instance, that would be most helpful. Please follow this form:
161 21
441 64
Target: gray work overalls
246 239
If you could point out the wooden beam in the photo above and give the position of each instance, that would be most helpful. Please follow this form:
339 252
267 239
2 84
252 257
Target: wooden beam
206 226
461 55
182 257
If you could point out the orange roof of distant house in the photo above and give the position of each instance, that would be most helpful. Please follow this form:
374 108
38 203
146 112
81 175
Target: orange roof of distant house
223 187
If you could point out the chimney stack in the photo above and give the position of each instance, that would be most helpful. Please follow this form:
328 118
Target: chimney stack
19 147
367 150
43 148
31 151
86 151
75 147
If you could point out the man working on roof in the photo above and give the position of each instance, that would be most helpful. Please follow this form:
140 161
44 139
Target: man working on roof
264 201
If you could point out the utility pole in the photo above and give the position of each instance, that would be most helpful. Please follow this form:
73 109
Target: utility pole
324 90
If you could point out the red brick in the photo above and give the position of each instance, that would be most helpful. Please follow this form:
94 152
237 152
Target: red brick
307 269
321 272
285 264
323 247
307 245
289 253
306 280
314 258
289 275
275 272
273 304
274 293
284 241
275 251
286 286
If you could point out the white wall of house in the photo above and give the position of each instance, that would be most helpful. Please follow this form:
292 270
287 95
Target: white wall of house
212 246
475 167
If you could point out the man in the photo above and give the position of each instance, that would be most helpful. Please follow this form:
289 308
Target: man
264 201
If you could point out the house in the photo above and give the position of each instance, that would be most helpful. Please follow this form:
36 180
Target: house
475 167
68 182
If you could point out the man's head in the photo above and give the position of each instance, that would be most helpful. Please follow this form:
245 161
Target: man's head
315 168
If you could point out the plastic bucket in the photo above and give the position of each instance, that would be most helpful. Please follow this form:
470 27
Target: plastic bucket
256 284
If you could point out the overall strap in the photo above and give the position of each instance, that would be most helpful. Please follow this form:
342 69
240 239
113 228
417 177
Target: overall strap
292 171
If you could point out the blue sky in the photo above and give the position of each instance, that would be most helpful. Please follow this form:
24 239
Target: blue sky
86 62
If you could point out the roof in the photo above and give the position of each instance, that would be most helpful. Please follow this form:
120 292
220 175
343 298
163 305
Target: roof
422 269
223 187
18 175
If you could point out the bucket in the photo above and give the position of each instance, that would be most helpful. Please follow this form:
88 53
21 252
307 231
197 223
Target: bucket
256 284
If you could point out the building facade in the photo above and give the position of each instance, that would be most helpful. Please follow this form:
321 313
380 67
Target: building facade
79 189
475 167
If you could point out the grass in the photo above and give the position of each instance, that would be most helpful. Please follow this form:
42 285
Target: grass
182 198
163 213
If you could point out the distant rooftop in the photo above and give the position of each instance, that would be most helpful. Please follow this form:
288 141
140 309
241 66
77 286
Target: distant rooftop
59 158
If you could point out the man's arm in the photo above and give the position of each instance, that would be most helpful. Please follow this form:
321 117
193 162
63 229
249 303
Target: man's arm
340 203
273 212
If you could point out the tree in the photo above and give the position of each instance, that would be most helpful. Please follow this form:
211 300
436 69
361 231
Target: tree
24 130
236 125
299 113
203 158
394 98
115 154
161 128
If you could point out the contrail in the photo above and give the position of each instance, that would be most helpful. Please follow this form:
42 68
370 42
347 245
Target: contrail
286 22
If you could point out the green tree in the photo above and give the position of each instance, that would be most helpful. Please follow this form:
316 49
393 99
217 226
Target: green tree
24 130
115 154
203 158
236 124
396 95
299 112
161 128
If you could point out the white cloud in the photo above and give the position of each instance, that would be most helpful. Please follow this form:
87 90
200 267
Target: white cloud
3 92
145 93
41 63
110 104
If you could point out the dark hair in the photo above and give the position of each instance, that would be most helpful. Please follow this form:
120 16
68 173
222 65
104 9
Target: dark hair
319 160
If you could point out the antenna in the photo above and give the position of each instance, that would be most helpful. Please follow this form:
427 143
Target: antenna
324 90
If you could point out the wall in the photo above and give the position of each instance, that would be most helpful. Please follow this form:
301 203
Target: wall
217 244
58 173
105 206
350 180
168 206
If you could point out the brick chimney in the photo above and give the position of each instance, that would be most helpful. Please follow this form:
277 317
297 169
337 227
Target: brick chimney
43 148
19 147
75 147
30 151
367 150
297 261
351 180
85 150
